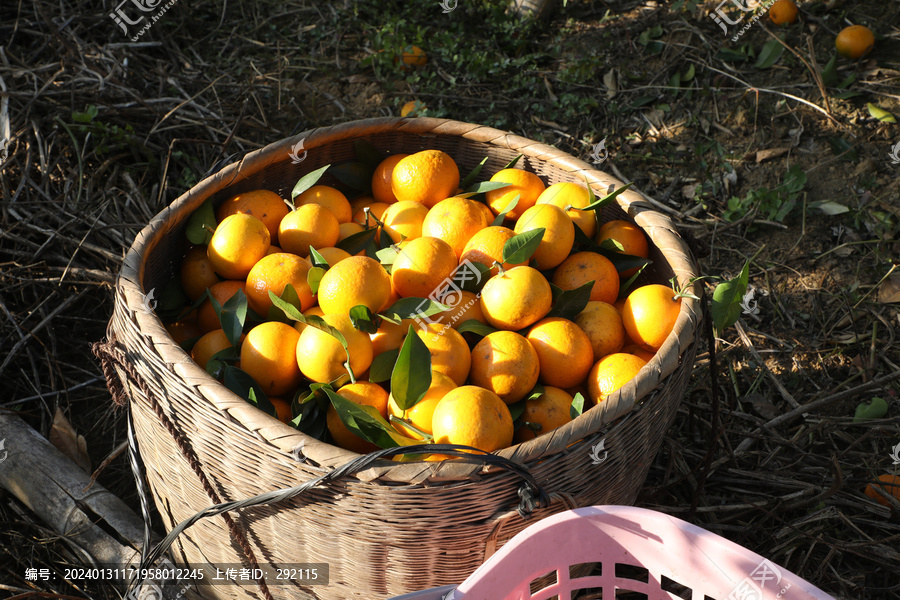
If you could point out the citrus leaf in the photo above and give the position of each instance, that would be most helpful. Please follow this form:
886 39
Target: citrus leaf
475 326
536 392
217 362
201 224
367 153
879 113
363 319
486 186
577 407
290 311
411 376
516 409
246 387
317 260
513 162
769 55
568 303
498 220
795 180
476 282
354 174
829 207
310 417
470 178
412 307
365 422
611 245
598 204
625 287
829 73
520 247
171 301
725 307
307 181
313 278
383 366
387 256
874 409
354 244
232 315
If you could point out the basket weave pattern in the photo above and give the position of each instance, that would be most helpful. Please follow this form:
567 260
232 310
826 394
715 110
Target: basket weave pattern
396 527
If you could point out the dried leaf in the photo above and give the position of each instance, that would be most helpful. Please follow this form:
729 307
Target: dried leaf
72 445
768 153
889 290
761 405
609 80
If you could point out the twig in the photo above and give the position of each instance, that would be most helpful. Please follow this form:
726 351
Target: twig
762 365
655 203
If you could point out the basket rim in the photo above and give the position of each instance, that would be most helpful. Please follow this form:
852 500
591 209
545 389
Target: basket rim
659 228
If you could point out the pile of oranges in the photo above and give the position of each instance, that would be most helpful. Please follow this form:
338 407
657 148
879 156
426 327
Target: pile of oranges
331 293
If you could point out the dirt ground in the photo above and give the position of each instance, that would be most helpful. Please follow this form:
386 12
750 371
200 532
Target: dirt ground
791 164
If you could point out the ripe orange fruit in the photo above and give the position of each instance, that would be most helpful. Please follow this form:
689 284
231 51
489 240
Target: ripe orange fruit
273 273
602 323
524 183
505 363
267 355
421 415
265 205
381 178
649 315
333 255
422 266
559 234
629 236
184 330
454 220
222 292
315 311
567 194
639 352
345 230
582 267
563 350
239 241
376 209
466 309
354 281
412 56
472 416
308 225
282 409
403 220
364 393
783 11
211 343
390 336
413 108
889 484
855 41
516 298
449 351
329 197
549 410
273 249
321 356
610 373
486 246
427 177
197 272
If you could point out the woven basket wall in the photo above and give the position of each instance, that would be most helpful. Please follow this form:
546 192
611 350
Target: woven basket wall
396 527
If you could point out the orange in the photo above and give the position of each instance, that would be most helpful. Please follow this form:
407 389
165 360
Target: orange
564 351
516 298
222 292
422 266
629 236
390 336
345 230
376 209
197 272
454 220
315 311
208 345
265 205
403 220
364 393
602 323
505 363
565 195
427 177
524 183
548 411
412 56
413 108
610 373
649 315
354 281
559 234
421 415
238 242
582 267
329 197
381 178
321 356
308 225
890 484
486 246
283 410
267 355
783 11
184 330
333 255
273 273
449 351
472 416
466 309
639 352
273 249
855 41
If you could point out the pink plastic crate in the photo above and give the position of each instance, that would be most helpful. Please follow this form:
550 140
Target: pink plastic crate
636 549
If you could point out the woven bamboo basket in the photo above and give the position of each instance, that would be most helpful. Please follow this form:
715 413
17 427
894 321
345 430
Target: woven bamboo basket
392 527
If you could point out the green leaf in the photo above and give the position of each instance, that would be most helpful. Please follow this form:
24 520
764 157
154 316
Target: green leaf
354 174
689 74
412 372
625 287
247 388
612 246
476 281
847 82
536 392
795 180
201 224
577 407
842 148
513 162
829 207
498 220
86 117
217 362
516 409
642 101
596 205
879 113
383 365
354 244
725 307
367 153
829 73
172 300
365 422
729 55
363 319
470 178
475 326
387 256
307 181
310 416
231 316
412 307
520 247
569 303
771 52
314 278
875 409
317 260
675 80
486 186
289 296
